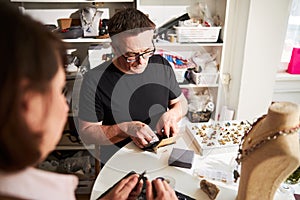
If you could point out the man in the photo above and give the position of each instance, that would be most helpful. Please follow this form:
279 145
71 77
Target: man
132 96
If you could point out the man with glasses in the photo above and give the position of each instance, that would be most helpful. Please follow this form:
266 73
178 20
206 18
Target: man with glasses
134 96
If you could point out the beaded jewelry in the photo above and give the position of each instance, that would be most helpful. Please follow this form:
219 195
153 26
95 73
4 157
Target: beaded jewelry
242 154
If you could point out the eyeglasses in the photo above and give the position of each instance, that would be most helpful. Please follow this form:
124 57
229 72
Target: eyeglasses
136 57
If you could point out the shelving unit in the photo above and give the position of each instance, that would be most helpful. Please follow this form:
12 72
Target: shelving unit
48 11
87 40
187 50
192 85
157 13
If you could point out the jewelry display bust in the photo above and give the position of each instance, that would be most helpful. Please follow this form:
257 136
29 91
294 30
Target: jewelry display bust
270 152
90 19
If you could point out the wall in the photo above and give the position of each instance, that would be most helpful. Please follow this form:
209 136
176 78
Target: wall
287 88
253 50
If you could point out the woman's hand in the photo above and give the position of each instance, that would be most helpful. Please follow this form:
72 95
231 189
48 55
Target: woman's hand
163 191
126 189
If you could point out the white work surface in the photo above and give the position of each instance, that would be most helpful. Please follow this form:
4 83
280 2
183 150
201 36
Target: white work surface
131 158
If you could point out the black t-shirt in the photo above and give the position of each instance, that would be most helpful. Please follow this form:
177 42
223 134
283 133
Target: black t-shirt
111 96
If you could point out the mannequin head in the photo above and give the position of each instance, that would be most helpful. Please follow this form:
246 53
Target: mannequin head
270 152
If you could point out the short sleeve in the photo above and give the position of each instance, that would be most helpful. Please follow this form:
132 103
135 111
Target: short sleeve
87 100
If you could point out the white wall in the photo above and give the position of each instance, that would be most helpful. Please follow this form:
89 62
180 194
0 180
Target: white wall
287 88
253 49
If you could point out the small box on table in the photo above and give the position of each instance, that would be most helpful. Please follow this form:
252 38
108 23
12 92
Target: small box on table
181 158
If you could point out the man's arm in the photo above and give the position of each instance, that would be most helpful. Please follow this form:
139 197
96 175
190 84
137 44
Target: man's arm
179 107
96 133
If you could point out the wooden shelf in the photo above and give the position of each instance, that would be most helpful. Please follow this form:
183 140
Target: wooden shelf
191 85
87 40
66 144
284 76
69 1
74 147
176 44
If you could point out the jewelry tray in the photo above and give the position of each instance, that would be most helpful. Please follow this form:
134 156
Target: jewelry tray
217 137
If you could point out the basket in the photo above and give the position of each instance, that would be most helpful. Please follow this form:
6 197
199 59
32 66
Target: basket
197 34
64 23
204 78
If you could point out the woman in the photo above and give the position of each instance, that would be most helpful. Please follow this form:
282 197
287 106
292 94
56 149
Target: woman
33 112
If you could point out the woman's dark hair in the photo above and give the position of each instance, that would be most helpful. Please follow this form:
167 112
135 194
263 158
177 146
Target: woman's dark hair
28 52
129 19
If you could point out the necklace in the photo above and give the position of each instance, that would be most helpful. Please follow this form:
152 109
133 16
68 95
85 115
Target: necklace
89 24
242 155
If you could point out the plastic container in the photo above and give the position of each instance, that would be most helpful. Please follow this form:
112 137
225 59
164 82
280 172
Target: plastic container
179 74
204 78
198 108
197 34
198 116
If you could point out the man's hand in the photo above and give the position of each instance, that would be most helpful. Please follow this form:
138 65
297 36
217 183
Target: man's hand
140 133
167 124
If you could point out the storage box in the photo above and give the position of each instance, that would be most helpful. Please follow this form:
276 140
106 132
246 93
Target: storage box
217 137
199 116
197 34
204 78
179 74
181 158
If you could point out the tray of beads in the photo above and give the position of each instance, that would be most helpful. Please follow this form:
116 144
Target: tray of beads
217 137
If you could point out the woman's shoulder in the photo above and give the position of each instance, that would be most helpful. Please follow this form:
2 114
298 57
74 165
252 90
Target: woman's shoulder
37 183
8 197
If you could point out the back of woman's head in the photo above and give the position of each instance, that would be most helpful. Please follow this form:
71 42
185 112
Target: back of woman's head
30 56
